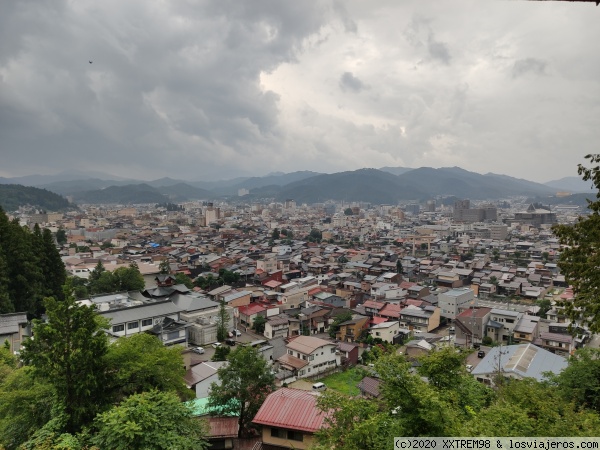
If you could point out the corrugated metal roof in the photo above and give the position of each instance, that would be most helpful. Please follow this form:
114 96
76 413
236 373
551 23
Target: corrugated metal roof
292 409
307 344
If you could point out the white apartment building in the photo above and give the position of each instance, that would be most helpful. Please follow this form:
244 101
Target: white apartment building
307 356
453 301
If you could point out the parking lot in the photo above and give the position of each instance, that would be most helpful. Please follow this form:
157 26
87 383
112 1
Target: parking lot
246 337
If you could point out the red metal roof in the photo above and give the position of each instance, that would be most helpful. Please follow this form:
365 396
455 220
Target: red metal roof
378 320
251 309
291 408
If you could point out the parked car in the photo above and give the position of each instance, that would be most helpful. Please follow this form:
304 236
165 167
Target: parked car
480 354
230 342
216 345
451 330
236 333
198 350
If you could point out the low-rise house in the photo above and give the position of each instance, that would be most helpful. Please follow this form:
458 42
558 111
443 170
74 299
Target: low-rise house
385 331
351 330
199 377
289 418
13 329
470 325
369 387
308 356
518 361
560 344
424 319
348 352
501 325
277 326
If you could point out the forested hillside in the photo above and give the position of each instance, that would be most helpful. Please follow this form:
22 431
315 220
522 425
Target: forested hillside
30 268
14 195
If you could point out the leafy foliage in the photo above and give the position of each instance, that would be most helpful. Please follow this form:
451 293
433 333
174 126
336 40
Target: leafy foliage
30 268
580 259
245 383
147 421
141 362
258 324
335 325
67 352
222 322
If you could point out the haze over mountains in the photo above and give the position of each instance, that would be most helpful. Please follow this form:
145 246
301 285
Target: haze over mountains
385 185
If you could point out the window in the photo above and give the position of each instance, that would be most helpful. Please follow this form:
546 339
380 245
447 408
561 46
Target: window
278 433
133 325
312 357
295 436
290 352
118 328
147 322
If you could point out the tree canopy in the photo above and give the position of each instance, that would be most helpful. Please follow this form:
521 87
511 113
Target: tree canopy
67 351
580 258
245 383
149 421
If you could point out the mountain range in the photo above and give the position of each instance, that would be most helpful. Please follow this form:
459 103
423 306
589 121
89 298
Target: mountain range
385 185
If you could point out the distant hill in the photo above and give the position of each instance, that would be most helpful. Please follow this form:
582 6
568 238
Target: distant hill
275 179
395 170
465 184
376 186
367 185
14 195
71 175
578 199
182 192
74 187
570 184
124 195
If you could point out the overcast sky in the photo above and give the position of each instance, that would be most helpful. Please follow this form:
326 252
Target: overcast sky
217 89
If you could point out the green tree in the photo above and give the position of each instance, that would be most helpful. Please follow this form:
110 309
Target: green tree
80 288
348 212
53 269
104 284
149 421
530 408
182 278
22 267
351 423
580 258
222 322
259 324
128 279
61 236
580 381
164 267
244 385
141 362
276 234
67 351
399 268
221 353
26 404
335 325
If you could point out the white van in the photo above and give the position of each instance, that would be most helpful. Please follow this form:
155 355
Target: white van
319 387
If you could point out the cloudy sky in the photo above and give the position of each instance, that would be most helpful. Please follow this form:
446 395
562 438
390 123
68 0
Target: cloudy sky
217 89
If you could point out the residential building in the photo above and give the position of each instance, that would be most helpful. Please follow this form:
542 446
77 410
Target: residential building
308 356
201 376
13 329
452 301
518 361
351 330
289 418
385 331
